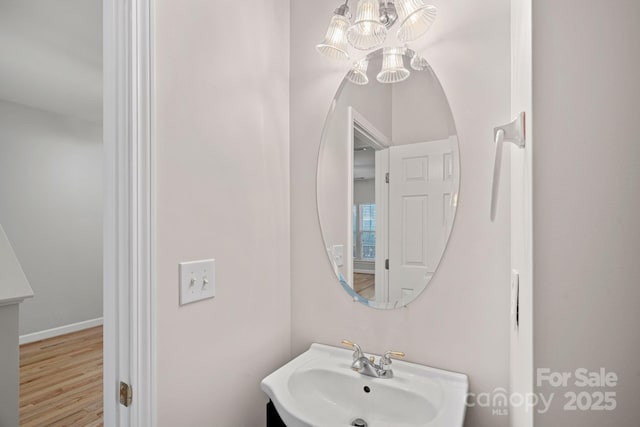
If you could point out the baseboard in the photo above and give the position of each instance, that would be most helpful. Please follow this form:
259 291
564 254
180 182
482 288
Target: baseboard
61 330
364 271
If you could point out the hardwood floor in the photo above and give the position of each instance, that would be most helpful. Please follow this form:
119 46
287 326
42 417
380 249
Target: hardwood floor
61 381
364 285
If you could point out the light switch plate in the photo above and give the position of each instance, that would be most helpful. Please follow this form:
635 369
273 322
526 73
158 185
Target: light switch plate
338 255
197 280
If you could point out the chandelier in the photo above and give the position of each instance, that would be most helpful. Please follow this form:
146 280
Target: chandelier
371 29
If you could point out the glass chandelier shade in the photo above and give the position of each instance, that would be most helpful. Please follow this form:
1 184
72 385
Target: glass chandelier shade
358 74
335 44
418 63
415 18
367 32
393 69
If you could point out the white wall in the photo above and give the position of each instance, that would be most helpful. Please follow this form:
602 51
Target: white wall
51 209
586 171
461 321
222 166
420 111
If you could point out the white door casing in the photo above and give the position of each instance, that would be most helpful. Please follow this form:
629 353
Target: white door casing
382 224
378 141
129 298
421 187
521 373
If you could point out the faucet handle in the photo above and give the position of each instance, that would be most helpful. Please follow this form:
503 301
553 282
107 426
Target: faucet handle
386 359
357 351
394 354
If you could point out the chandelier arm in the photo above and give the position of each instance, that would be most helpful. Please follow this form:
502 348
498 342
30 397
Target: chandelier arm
388 13
343 10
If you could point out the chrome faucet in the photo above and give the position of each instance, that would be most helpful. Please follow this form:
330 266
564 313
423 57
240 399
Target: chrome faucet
368 366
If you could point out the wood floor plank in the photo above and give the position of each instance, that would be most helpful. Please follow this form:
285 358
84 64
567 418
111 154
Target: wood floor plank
61 381
364 285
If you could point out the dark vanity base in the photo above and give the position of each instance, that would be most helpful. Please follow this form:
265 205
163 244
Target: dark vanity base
273 418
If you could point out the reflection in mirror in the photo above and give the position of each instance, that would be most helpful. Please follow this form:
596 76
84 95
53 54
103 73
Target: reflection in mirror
388 176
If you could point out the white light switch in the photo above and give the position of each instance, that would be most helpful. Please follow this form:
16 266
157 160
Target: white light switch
338 255
197 280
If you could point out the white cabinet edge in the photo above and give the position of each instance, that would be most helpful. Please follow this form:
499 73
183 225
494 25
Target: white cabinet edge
14 286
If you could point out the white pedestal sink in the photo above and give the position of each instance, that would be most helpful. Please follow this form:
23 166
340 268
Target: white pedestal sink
318 388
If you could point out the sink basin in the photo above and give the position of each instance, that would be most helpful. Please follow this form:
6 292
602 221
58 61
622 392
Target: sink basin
318 388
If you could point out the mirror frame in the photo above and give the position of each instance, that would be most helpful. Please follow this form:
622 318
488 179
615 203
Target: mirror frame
354 117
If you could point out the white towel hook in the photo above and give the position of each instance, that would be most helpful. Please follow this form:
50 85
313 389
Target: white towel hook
514 132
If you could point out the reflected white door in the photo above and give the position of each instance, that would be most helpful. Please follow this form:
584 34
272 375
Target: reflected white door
420 213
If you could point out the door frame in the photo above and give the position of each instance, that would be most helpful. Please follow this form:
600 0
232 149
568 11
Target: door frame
129 215
379 141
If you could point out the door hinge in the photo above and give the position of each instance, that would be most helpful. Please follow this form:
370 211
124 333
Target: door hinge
126 394
386 177
386 264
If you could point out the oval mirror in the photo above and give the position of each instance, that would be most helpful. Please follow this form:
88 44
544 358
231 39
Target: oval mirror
388 180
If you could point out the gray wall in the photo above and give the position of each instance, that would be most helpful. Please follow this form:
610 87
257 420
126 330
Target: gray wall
51 210
461 321
51 55
364 191
586 185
